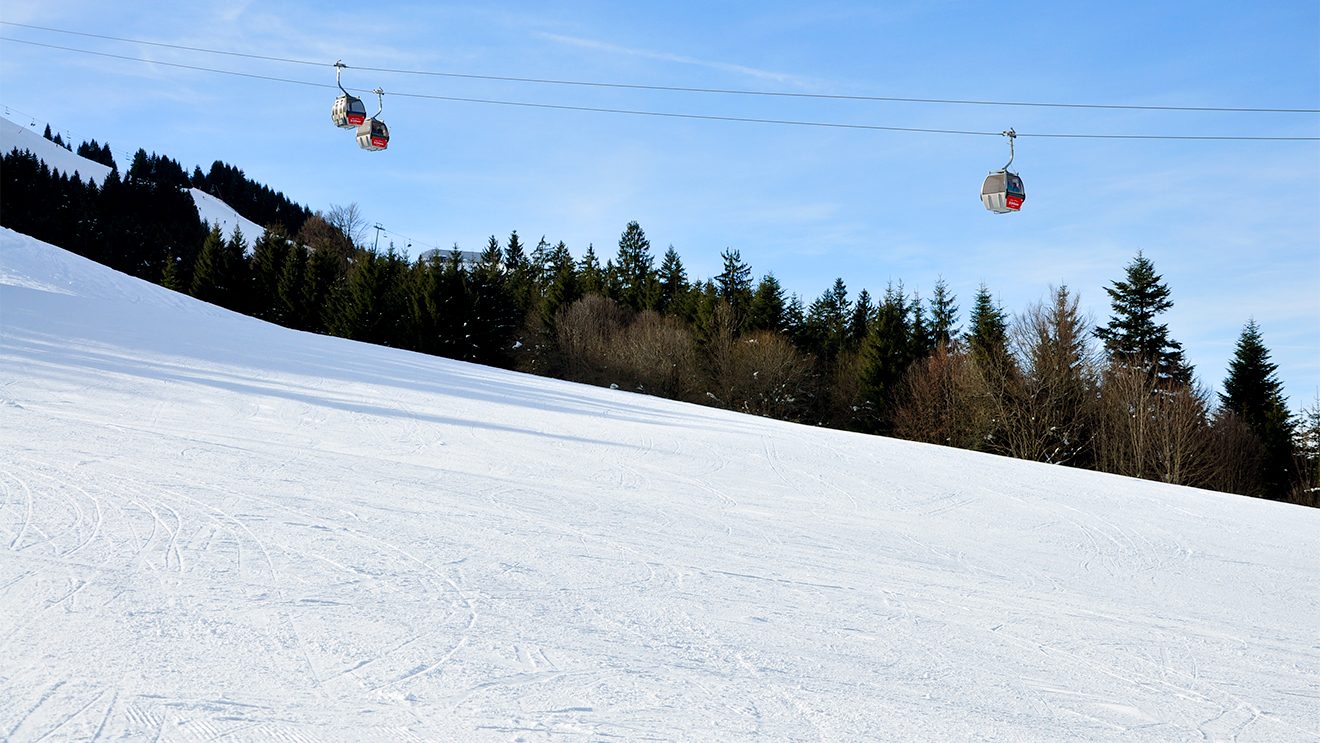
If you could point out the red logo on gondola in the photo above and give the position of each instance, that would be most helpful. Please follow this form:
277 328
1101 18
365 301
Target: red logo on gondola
356 119
380 142
1014 202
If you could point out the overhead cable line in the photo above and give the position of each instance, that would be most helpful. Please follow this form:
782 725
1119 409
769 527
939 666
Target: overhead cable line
674 114
687 89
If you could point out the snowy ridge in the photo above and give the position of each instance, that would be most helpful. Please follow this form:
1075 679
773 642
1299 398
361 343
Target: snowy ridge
13 136
211 527
209 208
215 212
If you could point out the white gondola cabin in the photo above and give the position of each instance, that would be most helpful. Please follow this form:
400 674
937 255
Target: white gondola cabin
373 135
347 111
1002 192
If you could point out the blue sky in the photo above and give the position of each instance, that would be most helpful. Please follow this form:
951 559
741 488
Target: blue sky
1234 227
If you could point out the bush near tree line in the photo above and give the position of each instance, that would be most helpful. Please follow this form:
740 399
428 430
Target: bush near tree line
1045 385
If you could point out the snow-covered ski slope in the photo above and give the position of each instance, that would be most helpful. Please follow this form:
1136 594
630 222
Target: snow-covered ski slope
217 213
212 528
210 209
16 137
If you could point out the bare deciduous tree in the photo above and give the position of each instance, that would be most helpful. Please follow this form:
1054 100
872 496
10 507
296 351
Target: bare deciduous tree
320 236
585 331
348 220
657 355
770 376
1237 454
1152 429
1051 415
940 402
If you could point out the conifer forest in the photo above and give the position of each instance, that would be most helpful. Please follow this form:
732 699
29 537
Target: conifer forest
1042 383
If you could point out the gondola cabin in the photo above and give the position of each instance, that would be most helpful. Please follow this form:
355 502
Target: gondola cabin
1003 192
373 135
348 112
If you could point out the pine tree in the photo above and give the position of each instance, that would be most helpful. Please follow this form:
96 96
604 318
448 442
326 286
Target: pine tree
769 310
921 339
1255 395
515 256
453 308
734 283
987 336
324 271
541 262
638 286
673 281
591 274
209 275
1132 337
96 153
1307 445
267 267
356 302
825 330
237 293
564 287
795 320
859 325
886 356
943 315
170 278
290 307
495 316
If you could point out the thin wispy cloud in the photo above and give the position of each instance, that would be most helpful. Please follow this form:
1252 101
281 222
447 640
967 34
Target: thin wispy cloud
782 78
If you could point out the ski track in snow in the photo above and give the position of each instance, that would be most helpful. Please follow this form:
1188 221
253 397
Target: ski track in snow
215 529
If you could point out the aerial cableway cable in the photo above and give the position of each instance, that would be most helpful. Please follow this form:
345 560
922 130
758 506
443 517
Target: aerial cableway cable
682 88
672 114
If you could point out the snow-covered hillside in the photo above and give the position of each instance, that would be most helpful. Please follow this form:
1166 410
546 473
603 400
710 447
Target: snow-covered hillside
214 528
209 208
215 212
13 136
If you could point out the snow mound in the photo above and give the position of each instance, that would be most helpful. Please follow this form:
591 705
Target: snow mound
211 527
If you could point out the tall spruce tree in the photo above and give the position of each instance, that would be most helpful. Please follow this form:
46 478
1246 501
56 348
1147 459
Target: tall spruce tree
943 315
886 356
210 276
289 301
563 288
1255 395
987 334
673 281
734 283
267 266
825 330
634 274
859 324
1132 337
590 273
769 310
495 314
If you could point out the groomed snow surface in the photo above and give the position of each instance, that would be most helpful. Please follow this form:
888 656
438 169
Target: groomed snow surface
213 528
